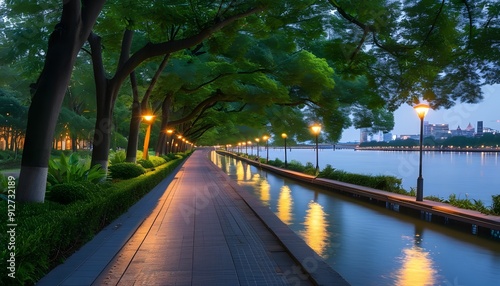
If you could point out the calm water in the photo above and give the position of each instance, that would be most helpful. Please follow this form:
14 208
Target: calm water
369 245
473 175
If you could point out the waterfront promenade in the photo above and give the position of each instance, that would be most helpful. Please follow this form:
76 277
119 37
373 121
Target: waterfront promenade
197 227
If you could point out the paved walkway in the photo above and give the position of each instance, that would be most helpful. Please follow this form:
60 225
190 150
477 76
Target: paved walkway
203 230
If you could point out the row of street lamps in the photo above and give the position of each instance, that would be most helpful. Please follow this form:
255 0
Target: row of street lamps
149 119
316 130
421 110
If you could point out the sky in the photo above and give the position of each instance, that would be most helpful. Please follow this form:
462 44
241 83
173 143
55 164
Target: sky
407 122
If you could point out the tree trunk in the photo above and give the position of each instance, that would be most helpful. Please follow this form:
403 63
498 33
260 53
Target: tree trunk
135 122
133 139
74 147
165 114
77 19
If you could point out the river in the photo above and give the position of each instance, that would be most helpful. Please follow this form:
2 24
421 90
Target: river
367 244
475 175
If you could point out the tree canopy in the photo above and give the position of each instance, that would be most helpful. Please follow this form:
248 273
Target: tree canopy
231 71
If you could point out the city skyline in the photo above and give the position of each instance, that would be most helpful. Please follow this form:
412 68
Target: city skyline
406 121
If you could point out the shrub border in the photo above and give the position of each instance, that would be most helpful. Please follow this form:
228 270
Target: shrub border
49 234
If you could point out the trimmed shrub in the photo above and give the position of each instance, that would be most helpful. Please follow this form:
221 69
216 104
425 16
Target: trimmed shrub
51 232
157 161
70 192
125 170
145 163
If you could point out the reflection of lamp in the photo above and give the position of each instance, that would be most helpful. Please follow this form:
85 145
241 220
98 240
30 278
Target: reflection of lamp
284 136
284 206
421 110
149 120
417 266
316 129
316 229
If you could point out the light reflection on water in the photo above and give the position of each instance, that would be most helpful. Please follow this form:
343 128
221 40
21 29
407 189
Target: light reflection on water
315 232
369 245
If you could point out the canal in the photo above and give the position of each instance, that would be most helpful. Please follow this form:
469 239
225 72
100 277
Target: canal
367 244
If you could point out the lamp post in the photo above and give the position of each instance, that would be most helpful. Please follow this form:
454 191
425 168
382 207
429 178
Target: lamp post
316 129
258 147
251 146
246 148
149 121
284 136
266 138
421 110
169 145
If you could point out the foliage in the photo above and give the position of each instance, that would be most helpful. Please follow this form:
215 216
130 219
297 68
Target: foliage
67 193
117 157
126 170
4 183
51 232
145 163
9 159
72 169
157 161
496 204
380 182
295 165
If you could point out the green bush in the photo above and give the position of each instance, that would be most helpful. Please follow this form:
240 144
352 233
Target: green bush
145 163
157 161
72 169
296 166
496 204
117 157
386 183
277 163
125 170
70 192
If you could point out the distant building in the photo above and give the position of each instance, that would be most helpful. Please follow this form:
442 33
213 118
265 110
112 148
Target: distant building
439 131
364 132
388 137
479 132
404 137
467 132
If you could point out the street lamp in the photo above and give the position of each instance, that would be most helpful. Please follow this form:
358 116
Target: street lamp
258 147
316 129
284 136
149 120
251 146
421 110
169 144
266 138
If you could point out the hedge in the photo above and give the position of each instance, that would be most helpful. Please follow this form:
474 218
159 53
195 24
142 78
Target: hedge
48 233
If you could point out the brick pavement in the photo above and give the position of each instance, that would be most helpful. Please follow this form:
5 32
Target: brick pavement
204 230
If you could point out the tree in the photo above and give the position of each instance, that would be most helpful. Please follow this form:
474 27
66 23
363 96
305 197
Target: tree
107 88
77 20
